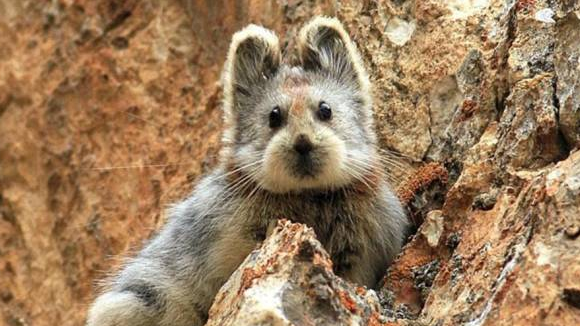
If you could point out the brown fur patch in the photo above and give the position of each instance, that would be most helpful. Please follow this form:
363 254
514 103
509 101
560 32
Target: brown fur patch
232 174
298 106
294 81
295 86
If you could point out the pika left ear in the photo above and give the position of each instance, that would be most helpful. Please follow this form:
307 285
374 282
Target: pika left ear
325 46
253 58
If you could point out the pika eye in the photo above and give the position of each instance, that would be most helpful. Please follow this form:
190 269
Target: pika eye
275 117
324 111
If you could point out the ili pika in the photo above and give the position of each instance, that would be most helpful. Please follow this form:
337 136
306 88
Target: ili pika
299 143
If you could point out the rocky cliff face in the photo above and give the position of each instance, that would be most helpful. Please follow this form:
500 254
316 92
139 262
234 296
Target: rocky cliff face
109 111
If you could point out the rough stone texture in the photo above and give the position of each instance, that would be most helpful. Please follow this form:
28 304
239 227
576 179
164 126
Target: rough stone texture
289 281
488 90
566 62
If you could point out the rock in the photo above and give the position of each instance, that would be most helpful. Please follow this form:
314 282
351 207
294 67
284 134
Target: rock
289 281
508 257
530 134
545 15
463 9
399 31
573 231
572 296
432 227
567 67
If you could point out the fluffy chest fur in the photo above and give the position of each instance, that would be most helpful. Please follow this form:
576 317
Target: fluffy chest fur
352 223
326 212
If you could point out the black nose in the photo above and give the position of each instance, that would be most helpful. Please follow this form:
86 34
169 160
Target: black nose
303 145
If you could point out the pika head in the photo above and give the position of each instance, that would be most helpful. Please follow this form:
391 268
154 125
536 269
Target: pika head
307 125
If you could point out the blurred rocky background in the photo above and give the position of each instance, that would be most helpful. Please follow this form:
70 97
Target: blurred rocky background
110 110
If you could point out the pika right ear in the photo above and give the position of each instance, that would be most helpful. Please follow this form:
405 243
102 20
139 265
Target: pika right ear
253 58
325 46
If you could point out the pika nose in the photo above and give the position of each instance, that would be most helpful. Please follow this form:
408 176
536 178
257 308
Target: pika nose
302 145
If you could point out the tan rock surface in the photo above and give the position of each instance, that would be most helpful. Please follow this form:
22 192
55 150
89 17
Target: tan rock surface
488 89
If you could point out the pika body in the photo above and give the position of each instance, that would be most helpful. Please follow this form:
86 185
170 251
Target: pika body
299 143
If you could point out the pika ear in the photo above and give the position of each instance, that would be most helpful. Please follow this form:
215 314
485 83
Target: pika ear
325 46
253 58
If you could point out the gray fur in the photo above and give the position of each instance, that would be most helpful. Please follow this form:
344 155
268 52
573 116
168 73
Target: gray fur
352 209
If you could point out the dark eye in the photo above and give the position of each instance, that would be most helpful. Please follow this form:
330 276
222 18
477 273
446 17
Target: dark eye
275 117
324 111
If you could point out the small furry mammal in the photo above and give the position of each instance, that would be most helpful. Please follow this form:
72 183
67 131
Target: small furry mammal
299 144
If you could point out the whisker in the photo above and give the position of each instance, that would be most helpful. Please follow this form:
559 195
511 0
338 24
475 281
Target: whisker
240 184
234 186
392 153
230 192
375 167
126 167
394 163
246 200
359 174
238 169
238 187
